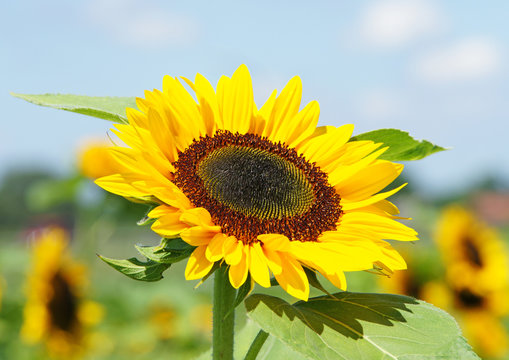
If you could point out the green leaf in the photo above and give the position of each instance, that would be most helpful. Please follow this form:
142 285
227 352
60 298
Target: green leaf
136 269
355 326
103 107
402 146
169 251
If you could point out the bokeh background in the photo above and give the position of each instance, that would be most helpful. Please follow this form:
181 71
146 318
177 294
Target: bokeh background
436 69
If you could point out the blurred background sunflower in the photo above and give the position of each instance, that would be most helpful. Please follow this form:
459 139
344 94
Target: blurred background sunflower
56 312
468 279
435 69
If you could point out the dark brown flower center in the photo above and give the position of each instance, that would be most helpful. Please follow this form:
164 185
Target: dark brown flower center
252 186
472 252
467 299
62 304
255 182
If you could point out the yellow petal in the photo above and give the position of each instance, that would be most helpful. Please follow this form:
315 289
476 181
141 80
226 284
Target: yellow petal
338 279
391 258
347 204
258 265
161 134
350 153
369 180
343 173
262 116
276 242
198 266
273 261
222 90
285 108
304 124
198 235
214 250
379 226
136 117
293 279
208 103
169 225
183 106
233 250
238 272
117 184
238 102
197 216
323 149
161 210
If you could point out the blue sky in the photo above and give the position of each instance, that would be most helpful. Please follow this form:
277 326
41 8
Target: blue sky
436 69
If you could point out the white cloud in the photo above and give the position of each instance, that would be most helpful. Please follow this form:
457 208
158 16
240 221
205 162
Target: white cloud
140 24
395 23
469 59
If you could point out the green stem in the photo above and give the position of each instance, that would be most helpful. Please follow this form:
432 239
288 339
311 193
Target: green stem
256 345
222 331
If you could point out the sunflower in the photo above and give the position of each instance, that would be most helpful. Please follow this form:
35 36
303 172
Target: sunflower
473 254
476 279
478 313
55 312
94 160
163 320
419 281
263 190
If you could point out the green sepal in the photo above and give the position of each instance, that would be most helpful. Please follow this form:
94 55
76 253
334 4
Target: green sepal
136 269
110 108
145 220
361 326
313 280
402 147
169 251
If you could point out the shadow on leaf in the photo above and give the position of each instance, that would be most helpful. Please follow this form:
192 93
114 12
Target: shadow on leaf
343 313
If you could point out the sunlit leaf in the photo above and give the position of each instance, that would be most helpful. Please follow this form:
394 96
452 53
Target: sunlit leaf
361 326
103 107
136 269
402 146
168 252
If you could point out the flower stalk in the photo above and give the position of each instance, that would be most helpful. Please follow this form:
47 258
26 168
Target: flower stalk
256 346
223 319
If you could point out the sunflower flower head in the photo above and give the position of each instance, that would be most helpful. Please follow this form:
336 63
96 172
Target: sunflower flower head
473 253
476 278
94 160
163 320
262 189
56 313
